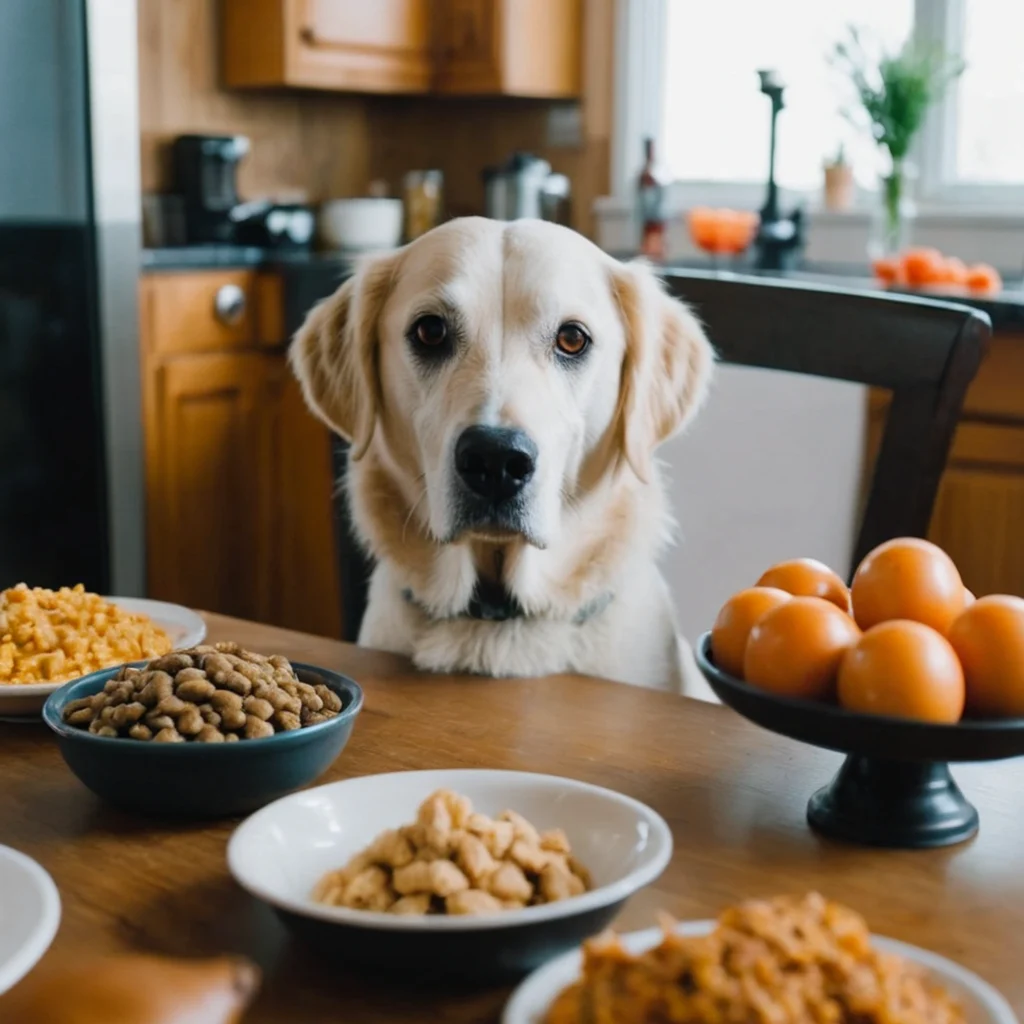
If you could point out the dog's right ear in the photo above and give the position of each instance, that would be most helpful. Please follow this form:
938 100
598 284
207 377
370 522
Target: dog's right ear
335 353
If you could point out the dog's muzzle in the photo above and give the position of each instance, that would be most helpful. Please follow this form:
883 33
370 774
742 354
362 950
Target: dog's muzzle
493 467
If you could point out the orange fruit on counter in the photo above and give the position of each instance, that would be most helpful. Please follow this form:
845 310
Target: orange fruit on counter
922 266
905 670
954 272
807 577
984 278
737 618
888 270
989 640
795 650
907 578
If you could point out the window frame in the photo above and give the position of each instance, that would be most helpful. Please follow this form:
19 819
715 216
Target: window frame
639 103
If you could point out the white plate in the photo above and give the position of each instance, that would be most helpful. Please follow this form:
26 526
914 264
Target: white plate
29 915
182 625
281 851
982 1004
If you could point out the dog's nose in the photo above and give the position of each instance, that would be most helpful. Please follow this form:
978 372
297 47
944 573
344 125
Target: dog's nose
495 462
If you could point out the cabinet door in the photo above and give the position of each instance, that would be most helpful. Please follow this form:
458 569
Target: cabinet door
383 46
468 47
210 448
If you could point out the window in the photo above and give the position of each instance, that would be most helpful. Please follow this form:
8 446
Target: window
692 83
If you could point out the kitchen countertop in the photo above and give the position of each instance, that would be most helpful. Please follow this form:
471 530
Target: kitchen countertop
312 275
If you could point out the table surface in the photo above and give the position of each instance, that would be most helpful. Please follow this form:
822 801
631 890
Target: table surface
733 795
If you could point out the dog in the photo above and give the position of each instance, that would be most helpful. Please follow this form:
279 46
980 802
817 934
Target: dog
504 387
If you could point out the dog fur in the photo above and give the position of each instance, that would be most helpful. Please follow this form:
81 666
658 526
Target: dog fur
596 514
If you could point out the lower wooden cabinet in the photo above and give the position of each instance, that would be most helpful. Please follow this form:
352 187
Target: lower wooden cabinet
238 472
979 511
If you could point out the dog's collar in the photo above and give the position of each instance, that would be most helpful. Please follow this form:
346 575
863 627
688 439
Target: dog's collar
491 602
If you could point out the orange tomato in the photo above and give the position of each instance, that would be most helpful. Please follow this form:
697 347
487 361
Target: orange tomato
807 577
954 272
795 650
922 266
989 639
905 670
907 578
984 278
888 270
736 619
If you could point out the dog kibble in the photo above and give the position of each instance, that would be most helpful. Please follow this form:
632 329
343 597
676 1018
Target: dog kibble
207 694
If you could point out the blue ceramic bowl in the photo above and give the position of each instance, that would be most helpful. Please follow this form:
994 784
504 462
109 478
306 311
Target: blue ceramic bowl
202 780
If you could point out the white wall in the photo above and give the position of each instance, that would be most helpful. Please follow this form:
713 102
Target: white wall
769 471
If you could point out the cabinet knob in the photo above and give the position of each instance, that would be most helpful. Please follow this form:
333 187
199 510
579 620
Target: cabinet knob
229 304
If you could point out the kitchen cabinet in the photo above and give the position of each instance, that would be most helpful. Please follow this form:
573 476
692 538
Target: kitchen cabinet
382 46
238 479
979 511
466 47
509 47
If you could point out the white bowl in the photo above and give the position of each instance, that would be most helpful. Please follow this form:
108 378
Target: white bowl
361 225
29 915
981 1003
280 853
182 625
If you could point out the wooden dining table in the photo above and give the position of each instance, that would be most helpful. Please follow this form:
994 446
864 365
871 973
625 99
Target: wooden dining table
734 795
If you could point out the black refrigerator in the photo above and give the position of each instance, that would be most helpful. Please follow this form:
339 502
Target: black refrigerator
70 428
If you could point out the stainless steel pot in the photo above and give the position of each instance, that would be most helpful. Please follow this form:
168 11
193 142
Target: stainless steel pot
524 186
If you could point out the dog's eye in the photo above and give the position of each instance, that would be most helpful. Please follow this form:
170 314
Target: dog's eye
572 340
430 331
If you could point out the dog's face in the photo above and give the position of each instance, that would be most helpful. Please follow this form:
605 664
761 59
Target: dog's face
498 370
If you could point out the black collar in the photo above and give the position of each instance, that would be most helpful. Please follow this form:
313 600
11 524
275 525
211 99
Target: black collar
491 602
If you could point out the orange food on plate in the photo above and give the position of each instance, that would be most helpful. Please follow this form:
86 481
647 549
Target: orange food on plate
922 266
989 640
737 618
807 577
954 272
905 670
907 578
984 278
795 650
888 270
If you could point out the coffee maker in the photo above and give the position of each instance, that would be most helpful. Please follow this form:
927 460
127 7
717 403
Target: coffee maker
205 172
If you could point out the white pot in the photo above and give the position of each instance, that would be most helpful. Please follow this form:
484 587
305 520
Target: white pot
361 224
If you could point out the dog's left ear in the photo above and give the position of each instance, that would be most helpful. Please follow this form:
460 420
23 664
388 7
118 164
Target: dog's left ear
666 367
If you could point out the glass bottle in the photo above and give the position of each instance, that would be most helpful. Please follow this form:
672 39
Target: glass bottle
651 206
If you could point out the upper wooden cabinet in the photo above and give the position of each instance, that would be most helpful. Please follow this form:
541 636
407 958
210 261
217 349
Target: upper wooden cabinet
467 47
508 47
348 45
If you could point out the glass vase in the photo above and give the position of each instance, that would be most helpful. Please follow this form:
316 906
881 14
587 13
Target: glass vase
894 211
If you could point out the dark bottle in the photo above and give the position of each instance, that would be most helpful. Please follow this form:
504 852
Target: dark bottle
650 201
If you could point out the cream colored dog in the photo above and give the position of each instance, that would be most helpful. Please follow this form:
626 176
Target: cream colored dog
504 387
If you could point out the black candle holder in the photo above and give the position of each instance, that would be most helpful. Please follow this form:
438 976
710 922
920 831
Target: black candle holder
894 789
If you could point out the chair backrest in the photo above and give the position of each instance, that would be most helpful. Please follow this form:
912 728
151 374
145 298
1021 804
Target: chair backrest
924 351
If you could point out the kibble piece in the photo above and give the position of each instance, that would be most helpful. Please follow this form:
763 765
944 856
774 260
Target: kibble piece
529 856
97 728
232 720
225 700
509 883
197 691
258 708
414 877
210 734
127 714
369 890
139 731
168 735
156 721
418 903
522 828
472 901
285 721
190 722
579 871
83 716
77 705
391 849
436 819
172 706
256 728
171 663
555 840
557 882
210 717
313 717
237 683
497 836
331 701
446 878
473 856
231 737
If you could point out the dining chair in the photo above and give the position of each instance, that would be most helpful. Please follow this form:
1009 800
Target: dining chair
924 351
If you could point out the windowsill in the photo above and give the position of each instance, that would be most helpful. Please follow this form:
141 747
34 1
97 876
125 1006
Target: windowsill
975 234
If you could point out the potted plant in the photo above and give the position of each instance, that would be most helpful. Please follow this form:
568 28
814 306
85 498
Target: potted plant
894 92
838 181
